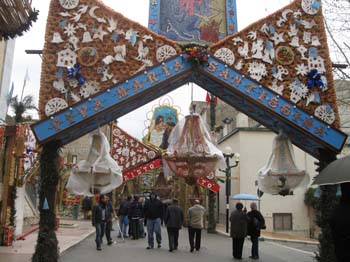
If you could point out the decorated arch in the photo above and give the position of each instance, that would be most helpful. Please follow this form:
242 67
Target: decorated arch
98 65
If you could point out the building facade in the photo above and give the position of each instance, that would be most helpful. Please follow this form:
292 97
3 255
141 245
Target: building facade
7 49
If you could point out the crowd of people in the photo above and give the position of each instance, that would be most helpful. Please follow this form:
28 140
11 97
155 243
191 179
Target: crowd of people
136 213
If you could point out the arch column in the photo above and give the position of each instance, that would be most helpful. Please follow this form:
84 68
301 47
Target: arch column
47 245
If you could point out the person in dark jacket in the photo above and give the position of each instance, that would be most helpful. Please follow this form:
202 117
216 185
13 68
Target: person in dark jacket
239 222
256 223
174 218
135 213
153 213
87 207
123 216
101 215
339 224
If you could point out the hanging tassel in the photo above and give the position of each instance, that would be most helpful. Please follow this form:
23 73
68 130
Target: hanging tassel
46 205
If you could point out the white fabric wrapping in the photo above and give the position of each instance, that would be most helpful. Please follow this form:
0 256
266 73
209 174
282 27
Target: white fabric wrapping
98 173
281 174
190 138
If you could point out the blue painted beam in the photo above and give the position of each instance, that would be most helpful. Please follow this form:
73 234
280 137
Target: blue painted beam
231 17
256 101
265 102
71 123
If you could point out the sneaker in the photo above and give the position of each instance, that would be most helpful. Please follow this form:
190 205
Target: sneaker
191 250
110 242
149 247
99 248
253 257
159 245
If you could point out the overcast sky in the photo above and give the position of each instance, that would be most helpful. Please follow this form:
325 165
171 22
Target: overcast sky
134 123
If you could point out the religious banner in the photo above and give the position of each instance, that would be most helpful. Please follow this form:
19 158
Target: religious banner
131 174
193 21
133 156
164 119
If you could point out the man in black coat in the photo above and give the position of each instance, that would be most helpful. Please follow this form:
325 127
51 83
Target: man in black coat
135 213
153 210
101 216
174 218
340 225
239 221
256 222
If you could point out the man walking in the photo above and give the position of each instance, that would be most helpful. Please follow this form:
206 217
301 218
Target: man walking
153 214
135 213
87 206
195 224
123 217
239 222
256 223
173 219
101 215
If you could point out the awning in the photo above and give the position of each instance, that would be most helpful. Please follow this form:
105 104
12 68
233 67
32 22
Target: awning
16 16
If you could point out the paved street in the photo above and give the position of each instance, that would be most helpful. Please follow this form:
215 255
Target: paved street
214 248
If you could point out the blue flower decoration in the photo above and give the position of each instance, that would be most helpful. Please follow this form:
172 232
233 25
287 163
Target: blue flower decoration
314 79
74 72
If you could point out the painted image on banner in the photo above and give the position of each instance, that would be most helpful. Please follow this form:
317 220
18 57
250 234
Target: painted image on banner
196 21
163 121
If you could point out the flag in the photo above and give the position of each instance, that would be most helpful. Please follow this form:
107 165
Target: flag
10 94
208 99
26 77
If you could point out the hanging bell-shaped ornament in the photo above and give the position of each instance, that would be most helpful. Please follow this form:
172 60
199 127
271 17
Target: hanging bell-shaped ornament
56 38
191 153
281 175
86 37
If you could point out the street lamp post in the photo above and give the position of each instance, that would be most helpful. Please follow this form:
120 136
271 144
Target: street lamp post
228 155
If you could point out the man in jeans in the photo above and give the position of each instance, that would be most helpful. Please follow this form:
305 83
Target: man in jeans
101 215
122 215
153 214
195 224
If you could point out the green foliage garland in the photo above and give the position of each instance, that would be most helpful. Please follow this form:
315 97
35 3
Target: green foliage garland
327 202
47 244
13 210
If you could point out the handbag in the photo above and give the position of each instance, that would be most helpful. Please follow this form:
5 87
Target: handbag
258 225
126 220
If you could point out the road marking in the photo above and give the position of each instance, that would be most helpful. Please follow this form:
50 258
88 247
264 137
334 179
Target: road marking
292 248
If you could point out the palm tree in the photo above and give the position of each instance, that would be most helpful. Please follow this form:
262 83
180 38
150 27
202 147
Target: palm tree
20 107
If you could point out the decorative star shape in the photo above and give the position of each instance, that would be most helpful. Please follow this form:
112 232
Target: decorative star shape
301 69
99 33
277 38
